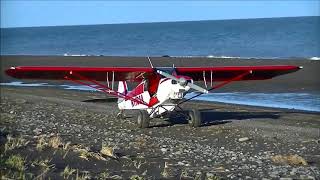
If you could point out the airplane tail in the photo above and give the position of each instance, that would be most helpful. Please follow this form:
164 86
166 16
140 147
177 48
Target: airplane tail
123 89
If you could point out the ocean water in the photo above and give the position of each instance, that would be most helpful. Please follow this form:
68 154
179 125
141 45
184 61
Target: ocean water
258 38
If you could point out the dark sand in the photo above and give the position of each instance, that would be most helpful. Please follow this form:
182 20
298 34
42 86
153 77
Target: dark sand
168 149
281 143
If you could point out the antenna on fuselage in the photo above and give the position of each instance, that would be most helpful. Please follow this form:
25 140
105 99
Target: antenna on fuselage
150 62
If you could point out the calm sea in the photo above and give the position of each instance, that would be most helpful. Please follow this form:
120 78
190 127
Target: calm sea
268 38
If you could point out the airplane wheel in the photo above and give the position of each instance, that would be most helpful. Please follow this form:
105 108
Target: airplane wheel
143 120
120 116
195 118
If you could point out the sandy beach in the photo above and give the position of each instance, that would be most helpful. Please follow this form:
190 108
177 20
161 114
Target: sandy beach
60 133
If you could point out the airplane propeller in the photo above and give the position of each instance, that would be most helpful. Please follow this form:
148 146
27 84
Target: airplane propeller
183 82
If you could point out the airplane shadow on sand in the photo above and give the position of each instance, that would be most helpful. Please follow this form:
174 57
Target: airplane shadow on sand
211 117
102 100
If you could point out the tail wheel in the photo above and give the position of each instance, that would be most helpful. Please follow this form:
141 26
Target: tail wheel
195 118
143 120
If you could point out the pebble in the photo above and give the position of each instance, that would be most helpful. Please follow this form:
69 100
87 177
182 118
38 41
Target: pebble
209 174
243 139
20 101
178 153
37 131
163 149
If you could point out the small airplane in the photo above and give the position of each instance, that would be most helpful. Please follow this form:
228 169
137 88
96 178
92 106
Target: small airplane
160 90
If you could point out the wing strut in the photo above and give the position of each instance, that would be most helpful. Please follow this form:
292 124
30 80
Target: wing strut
101 87
204 79
220 85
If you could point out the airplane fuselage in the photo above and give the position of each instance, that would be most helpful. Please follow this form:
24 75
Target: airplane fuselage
168 94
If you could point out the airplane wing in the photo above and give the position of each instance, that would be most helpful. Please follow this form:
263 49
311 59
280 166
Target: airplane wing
225 73
219 73
92 73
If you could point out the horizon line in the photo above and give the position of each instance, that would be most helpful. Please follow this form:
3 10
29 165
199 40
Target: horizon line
151 22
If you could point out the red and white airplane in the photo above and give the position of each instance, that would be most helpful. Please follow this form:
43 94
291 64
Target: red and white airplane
160 90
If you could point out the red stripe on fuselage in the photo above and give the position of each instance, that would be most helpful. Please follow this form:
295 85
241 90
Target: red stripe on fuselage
136 91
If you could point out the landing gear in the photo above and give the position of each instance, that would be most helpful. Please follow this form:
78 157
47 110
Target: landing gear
143 120
120 115
194 118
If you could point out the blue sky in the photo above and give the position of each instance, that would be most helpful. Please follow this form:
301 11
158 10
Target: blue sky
71 12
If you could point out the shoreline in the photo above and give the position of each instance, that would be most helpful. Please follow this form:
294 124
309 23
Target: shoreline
213 57
196 101
53 87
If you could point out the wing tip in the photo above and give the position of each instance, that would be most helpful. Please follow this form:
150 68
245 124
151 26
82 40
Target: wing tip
11 71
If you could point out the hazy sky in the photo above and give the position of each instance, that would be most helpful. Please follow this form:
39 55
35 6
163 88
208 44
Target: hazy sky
71 12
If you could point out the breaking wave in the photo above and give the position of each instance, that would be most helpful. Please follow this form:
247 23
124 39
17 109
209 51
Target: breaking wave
315 58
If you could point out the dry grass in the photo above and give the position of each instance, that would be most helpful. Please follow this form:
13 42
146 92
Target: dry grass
213 177
84 153
66 145
10 175
84 175
136 177
44 165
165 173
108 151
16 162
138 163
55 142
41 143
198 176
104 175
13 143
140 142
67 172
184 174
289 159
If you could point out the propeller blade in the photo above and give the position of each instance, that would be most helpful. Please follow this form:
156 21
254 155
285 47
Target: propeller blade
191 85
167 75
198 88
